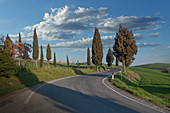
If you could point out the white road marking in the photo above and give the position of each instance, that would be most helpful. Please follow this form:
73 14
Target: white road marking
128 97
30 95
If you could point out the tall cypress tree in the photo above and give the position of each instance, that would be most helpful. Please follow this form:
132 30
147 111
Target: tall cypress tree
8 45
48 54
42 57
109 57
68 64
54 60
125 47
97 49
35 47
20 49
88 57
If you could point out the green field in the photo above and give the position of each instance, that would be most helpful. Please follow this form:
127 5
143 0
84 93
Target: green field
31 76
147 83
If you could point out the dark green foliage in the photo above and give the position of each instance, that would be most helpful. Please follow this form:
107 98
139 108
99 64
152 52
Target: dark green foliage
88 57
2 42
48 53
7 64
54 60
125 47
42 57
35 47
68 65
97 49
109 57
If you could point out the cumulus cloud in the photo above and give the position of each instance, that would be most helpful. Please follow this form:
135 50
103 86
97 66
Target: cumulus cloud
85 43
65 23
28 36
168 47
139 45
139 36
130 22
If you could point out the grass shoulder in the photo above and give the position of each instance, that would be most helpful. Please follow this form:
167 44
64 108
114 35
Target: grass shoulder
32 76
149 84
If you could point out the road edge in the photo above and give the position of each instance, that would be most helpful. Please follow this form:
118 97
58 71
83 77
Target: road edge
127 96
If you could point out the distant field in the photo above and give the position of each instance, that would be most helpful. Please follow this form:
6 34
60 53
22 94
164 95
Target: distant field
155 65
148 83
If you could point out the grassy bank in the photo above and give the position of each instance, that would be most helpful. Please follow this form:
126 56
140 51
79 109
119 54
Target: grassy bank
147 83
32 76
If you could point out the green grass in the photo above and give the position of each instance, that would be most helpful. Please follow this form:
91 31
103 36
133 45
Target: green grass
149 84
155 65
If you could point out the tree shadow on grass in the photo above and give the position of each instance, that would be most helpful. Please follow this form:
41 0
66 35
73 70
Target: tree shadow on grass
156 89
78 71
27 78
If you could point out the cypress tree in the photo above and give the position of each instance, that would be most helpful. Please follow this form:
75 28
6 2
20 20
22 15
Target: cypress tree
117 61
42 57
48 54
109 57
35 47
54 60
125 47
9 45
97 49
20 49
68 65
88 57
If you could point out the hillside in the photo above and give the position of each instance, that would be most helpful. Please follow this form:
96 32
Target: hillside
31 76
147 82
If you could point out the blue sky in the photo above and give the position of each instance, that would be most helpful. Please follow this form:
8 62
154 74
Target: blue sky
68 25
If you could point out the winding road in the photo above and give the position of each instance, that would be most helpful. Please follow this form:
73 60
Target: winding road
79 94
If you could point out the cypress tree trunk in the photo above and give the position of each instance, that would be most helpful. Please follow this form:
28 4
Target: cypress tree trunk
19 61
36 63
117 61
124 67
97 68
25 63
48 64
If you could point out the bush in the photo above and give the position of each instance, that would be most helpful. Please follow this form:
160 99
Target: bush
7 64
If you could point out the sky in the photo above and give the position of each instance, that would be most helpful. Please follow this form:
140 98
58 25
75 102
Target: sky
68 26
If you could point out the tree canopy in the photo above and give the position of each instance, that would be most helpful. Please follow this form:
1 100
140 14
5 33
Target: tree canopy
125 47
97 49
109 57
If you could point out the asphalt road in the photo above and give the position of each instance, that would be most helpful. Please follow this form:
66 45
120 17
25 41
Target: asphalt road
80 94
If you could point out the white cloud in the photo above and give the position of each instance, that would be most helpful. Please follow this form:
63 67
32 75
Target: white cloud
131 22
28 36
85 43
139 36
139 45
168 47
64 23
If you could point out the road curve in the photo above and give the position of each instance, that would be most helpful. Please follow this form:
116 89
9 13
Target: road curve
79 94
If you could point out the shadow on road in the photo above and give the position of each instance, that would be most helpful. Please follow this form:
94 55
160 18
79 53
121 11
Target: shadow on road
55 98
68 100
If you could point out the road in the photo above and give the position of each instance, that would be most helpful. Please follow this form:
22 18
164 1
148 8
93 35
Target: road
80 94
